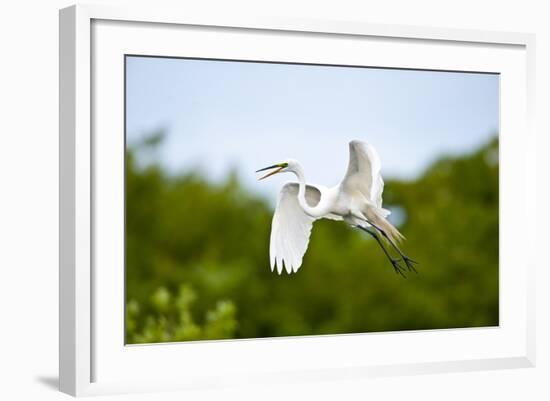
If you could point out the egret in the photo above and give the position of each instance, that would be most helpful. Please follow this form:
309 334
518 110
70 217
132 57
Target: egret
357 201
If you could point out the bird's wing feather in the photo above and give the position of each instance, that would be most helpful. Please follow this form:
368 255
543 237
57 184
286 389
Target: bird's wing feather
363 172
291 228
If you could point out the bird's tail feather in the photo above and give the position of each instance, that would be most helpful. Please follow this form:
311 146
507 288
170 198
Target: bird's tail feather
377 216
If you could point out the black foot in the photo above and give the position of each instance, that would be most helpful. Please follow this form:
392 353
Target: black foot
410 263
397 267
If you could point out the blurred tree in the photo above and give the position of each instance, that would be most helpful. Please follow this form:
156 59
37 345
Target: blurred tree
198 258
171 319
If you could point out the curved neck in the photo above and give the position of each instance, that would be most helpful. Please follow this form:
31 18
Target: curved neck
315 211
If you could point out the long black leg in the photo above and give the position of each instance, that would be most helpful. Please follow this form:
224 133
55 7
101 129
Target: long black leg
395 262
408 261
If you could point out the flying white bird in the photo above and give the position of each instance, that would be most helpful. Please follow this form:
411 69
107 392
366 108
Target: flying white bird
357 200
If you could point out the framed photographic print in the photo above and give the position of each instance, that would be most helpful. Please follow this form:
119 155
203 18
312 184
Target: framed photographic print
256 201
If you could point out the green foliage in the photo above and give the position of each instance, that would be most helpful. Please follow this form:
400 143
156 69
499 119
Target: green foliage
198 258
172 320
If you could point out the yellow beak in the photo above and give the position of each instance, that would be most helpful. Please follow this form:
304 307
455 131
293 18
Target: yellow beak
279 168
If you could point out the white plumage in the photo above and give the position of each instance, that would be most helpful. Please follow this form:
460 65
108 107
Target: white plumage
357 200
363 172
291 228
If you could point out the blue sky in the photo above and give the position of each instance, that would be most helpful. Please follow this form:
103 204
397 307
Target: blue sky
221 115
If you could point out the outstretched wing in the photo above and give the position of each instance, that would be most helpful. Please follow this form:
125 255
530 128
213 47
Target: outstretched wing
363 172
291 228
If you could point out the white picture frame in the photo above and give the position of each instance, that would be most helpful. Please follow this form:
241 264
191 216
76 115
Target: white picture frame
93 360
